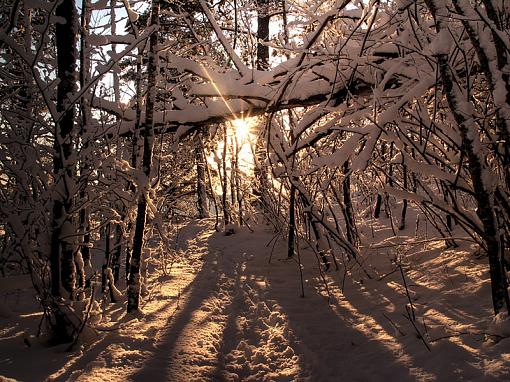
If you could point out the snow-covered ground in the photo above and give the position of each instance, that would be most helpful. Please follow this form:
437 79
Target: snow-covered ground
225 313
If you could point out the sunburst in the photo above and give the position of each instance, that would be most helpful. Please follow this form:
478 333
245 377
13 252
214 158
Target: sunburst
242 129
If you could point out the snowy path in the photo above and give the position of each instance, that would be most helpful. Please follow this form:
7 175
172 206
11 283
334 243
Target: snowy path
225 314
225 325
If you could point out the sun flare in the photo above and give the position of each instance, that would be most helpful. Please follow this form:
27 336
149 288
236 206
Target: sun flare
242 128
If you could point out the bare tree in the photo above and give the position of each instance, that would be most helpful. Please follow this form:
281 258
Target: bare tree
148 144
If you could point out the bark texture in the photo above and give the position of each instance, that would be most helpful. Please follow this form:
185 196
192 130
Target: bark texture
148 144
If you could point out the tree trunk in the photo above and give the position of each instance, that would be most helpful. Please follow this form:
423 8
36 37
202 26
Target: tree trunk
292 222
63 269
262 34
203 211
379 200
85 120
493 57
107 257
136 147
484 198
117 252
259 170
403 213
148 143
237 181
350 225
62 266
222 168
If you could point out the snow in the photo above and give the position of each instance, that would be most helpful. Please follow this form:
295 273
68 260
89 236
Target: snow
500 325
219 34
132 14
224 312
46 5
96 39
228 306
117 295
441 43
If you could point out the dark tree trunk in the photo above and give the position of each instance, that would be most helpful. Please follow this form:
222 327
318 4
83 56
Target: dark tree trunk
482 195
292 222
379 200
136 148
117 252
377 208
350 225
262 34
259 171
63 270
494 72
203 211
502 55
148 143
107 257
62 266
403 213
85 120
315 226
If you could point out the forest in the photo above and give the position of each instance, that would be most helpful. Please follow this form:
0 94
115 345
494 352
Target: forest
264 190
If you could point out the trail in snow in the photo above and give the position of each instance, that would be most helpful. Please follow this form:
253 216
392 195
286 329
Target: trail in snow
212 320
225 314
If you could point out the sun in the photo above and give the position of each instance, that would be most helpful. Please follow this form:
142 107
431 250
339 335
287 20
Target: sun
242 128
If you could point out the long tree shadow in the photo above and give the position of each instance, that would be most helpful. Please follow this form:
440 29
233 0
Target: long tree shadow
140 351
360 338
208 292
347 353
380 311
445 303
447 361
120 334
243 319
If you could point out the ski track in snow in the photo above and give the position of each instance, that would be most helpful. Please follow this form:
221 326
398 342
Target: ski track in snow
225 314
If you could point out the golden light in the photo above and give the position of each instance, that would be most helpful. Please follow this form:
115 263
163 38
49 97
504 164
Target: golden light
242 129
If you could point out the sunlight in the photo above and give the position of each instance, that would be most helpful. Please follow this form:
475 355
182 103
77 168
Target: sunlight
240 137
242 132
242 129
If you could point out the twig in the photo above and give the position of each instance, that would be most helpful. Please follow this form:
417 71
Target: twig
407 290
394 324
414 242
108 329
344 277
418 333
275 238
466 333
387 274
